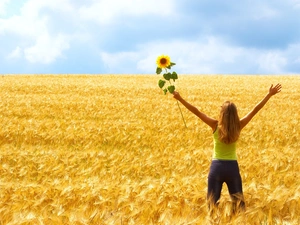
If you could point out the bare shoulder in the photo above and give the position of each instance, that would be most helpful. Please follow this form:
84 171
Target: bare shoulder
213 124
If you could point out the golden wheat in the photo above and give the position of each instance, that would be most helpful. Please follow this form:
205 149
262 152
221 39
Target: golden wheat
113 149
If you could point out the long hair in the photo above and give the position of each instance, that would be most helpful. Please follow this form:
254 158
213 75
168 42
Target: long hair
229 123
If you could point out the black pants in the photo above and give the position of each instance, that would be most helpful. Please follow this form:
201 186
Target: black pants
225 171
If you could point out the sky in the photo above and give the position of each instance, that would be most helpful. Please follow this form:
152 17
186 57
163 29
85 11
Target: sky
126 36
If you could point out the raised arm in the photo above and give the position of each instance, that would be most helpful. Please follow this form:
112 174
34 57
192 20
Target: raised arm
209 121
273 90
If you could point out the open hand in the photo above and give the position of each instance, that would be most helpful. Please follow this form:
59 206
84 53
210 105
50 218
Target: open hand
274 90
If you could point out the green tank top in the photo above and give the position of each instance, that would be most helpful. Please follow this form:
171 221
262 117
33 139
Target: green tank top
223 151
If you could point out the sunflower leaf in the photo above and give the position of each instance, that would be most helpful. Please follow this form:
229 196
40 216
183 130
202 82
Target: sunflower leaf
158 70
171 64
174 76
171 88
161 83
167 76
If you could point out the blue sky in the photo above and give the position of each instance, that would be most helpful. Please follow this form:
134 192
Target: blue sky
126 36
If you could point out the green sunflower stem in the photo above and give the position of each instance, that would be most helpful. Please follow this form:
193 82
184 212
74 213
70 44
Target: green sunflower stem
181 114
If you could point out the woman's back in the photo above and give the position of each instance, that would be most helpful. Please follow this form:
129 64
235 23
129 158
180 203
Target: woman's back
223 151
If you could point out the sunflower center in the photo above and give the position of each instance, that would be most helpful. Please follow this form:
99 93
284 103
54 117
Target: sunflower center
163 61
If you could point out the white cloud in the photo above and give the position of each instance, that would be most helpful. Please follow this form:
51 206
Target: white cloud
31 22
199 56
32 26
16 53
46 49
43 31
292 55
272 61
3 4
108 11
24 26
208 55
278 61
32 8
114 61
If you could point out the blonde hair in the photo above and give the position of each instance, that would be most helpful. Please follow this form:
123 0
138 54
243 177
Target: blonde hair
229 123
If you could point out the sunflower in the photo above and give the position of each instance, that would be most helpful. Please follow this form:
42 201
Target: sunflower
163 61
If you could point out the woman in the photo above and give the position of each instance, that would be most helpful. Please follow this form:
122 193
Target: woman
226 131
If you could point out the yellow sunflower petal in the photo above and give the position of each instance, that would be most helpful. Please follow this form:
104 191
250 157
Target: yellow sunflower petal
163 61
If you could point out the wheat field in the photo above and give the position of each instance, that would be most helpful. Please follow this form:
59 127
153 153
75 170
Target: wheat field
113 149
